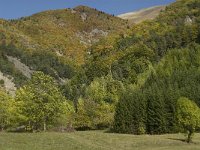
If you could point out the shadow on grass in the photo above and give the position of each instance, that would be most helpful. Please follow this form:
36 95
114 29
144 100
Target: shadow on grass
183 140
176 139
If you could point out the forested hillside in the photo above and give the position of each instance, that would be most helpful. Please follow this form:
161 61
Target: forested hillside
151 108
128 55
54 41
97 71
148 102
68 32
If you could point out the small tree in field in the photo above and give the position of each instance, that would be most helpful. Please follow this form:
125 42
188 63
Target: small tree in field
188 116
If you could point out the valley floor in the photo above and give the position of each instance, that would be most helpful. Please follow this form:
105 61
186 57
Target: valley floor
94 140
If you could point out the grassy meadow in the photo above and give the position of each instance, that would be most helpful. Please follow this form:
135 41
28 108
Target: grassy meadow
94 140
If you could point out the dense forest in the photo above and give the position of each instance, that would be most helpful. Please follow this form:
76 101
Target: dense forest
128 81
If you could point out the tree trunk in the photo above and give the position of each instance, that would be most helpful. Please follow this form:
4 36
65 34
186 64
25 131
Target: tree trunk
189 139
44 126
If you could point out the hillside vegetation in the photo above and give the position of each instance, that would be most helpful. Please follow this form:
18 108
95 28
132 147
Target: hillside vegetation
53 41
157 62
66 32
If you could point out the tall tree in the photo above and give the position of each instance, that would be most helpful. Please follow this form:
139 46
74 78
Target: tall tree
42 102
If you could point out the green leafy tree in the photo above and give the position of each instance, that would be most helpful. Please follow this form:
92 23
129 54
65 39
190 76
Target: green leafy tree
82 120
5 107
96 108
92 115
42 102
188 116
9 112
104 93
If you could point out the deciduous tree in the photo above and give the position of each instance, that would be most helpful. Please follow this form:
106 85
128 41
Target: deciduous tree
188 116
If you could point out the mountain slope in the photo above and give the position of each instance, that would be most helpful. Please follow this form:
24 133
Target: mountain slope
143 14
131 54
53 41
68 32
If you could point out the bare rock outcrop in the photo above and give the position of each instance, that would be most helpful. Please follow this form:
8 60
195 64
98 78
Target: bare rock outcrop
24 69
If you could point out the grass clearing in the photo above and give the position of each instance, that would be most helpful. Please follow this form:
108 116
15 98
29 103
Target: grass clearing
94 140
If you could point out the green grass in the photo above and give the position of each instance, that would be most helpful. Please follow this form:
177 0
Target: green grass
94 140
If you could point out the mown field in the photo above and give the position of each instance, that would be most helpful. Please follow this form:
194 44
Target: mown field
94 140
